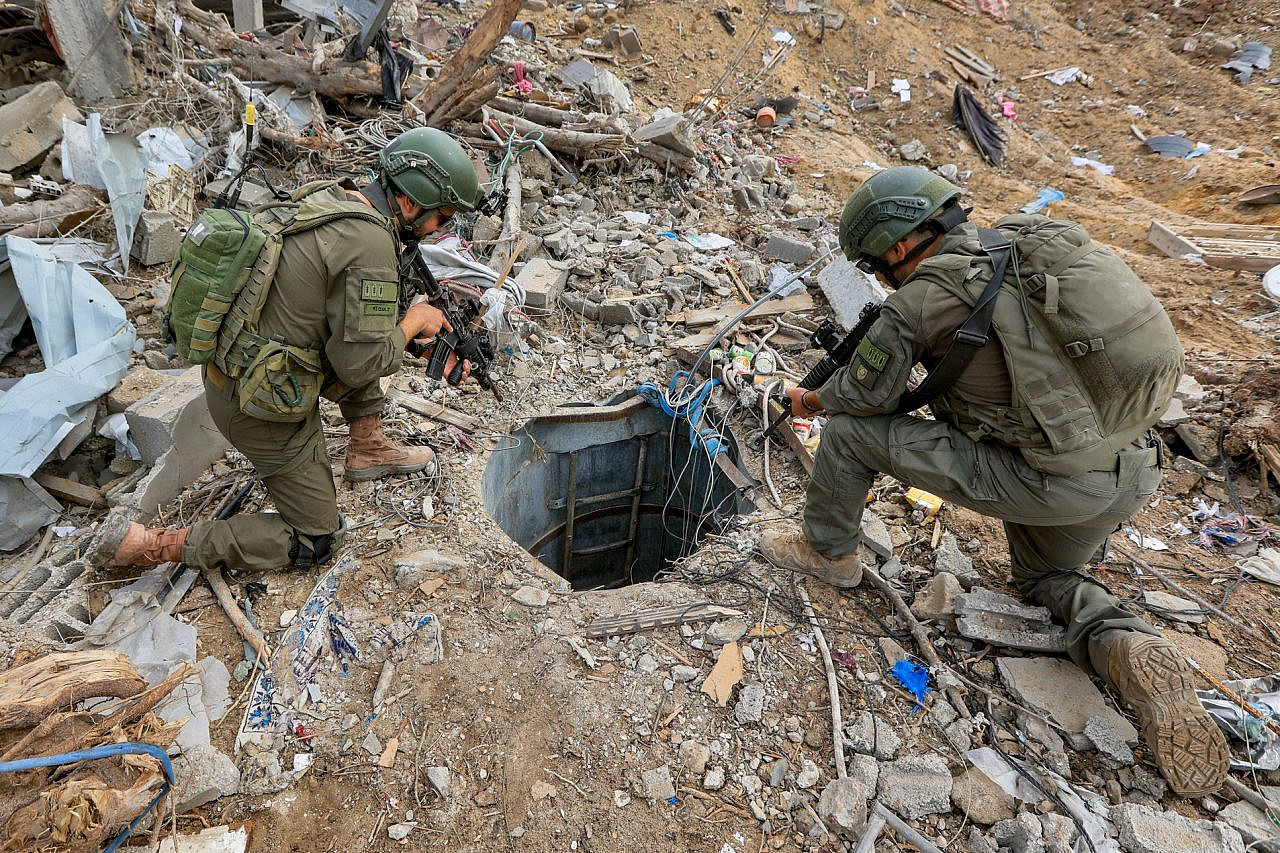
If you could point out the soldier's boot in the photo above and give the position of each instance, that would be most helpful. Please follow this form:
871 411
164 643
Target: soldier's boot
372 454
124 542
1157 682
792 551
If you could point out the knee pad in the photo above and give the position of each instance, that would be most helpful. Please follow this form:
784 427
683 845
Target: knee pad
307 551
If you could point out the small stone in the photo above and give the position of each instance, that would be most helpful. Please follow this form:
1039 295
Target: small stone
1173 607
937 600
439 779
400 831
912 151
1174 415
286 617
371 744
647 663
621 799
843 808
726 631
540 790
1145 830
916 785
949 558
788 249
658 783
203 774
681 674
808 775
714 780
985 802
1023 833
694 756
778 772
750 705
892 650
531 596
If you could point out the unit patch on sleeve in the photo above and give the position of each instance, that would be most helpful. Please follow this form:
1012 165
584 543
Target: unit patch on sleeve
373 290
869 363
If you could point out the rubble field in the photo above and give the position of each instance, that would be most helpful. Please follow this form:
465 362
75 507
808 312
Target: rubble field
448 681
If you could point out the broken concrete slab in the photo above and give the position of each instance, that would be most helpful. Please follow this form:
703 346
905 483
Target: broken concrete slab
543 282
136 384
156 240
1144 830
848 289
1173 607
875 535
32 124
843 807
915 786
1060 690
658 784
949 558
937 600
1255 828
780 247
869 735
174 432
1108 740
1001 620
93 47
203 775
671 131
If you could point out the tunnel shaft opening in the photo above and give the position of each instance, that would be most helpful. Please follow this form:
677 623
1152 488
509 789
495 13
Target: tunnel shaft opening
610 495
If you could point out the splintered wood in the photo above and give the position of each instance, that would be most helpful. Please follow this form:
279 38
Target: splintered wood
57 682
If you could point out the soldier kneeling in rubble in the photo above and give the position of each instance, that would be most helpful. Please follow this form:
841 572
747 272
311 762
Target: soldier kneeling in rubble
333 301
1050 362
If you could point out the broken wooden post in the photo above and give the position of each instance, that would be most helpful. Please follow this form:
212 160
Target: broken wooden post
246 15
90 42
463 65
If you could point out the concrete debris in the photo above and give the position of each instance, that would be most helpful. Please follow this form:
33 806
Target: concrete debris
848 289
400 831
203 775
985 802
671 131
726 631
1145 830
750 707
915 786
681 674
439 778
1108 740
875 535
138 383
913 151
714 780
1173 607
32 124
156 240
937 600
869 735
694 756
843 808
175 433
780 247
658 784
1255 827
1001 620
948 557
531 596
1059 689
543 282
413 568
1022 832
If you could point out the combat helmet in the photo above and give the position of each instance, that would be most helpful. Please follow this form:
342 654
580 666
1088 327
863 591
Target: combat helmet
888 206
432 169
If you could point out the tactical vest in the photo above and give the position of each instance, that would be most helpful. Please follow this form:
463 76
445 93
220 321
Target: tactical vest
224 271
1092 356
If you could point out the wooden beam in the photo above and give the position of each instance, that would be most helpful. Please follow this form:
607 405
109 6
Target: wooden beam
70 490
466 61
1168 241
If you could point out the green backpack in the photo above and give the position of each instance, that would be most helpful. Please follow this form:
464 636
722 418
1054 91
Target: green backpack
220 280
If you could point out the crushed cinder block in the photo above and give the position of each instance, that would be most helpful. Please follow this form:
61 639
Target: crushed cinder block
671 132
156 240
172 429
1059 689
1001 620
543 282
32 124
916 785
203 775
848 289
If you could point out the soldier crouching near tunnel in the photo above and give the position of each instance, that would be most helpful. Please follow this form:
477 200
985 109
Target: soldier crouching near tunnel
1050 361
320 321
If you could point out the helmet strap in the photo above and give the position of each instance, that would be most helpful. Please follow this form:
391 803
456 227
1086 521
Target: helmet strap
938 226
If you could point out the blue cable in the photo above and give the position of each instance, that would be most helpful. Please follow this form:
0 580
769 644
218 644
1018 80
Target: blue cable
103 752
692 411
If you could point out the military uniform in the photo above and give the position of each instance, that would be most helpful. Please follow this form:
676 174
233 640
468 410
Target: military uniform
335 290
983 453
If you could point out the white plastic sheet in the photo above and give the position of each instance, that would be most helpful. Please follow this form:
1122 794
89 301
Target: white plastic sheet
114 162
85 339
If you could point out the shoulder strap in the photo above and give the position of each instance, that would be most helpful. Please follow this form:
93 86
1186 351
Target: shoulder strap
973 332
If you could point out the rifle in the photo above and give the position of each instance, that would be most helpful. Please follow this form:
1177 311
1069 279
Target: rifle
839 354
468 343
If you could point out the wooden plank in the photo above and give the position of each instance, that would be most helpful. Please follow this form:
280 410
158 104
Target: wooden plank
1248 263
789 436
772 308
1168 241
70 490
1235 231
657 617
93 48
435 411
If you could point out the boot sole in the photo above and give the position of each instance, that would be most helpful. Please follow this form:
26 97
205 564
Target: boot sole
1188 746
362 475
108 539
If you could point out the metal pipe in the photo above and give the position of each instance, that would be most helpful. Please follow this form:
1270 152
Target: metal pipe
570 508
900 827
641 456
